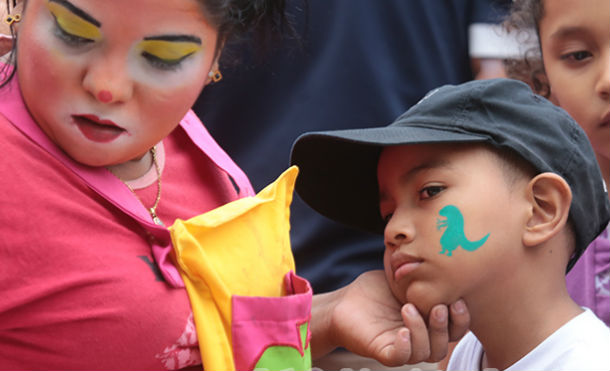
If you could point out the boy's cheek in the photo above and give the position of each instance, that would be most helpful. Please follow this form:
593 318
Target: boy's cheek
398 291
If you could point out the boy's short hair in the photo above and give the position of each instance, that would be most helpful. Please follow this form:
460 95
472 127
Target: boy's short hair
338 169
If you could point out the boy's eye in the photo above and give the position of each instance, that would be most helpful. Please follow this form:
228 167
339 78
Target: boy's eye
386 218
430 191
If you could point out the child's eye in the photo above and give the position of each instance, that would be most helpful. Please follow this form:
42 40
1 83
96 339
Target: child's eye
430 191
164 64
70 39
576 56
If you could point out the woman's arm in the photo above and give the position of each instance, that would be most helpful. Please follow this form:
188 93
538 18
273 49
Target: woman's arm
365 318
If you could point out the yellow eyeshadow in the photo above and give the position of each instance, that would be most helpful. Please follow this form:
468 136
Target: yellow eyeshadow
169 50
73 24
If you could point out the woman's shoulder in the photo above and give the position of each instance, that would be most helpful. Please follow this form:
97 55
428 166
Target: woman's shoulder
12 138
24 162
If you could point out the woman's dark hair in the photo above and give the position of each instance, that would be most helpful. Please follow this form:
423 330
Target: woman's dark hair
524 17
263 22
10 4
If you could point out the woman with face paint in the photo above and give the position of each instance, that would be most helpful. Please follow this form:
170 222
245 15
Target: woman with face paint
100 155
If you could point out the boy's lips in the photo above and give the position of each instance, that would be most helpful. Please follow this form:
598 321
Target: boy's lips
605 120
96 129
403 264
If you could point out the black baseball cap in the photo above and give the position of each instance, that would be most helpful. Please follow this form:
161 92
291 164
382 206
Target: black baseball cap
338 169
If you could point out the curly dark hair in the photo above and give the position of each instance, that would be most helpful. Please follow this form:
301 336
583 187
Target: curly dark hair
524 17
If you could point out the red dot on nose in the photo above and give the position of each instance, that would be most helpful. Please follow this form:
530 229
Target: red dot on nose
104 96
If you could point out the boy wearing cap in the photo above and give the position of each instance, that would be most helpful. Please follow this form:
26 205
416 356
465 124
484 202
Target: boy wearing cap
483 191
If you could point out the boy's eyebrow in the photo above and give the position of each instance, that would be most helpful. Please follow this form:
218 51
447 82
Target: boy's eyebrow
77 12
428 165
175 38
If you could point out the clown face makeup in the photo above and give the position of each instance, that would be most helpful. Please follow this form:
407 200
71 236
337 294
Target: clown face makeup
72 23
448 233
107 80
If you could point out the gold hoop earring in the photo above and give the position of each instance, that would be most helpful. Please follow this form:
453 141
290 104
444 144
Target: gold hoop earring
215 75
10 19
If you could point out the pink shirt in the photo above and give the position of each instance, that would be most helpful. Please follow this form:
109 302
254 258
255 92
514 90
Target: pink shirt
87 279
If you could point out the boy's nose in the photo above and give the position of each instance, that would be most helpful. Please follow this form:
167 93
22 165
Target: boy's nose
398 231
108 82
603 83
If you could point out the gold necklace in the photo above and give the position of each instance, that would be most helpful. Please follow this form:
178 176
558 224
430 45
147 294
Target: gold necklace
152 210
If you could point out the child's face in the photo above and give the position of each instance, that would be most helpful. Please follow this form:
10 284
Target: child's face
575 41
106 80
440 202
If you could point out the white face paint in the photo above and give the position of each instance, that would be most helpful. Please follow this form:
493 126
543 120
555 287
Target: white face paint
107 80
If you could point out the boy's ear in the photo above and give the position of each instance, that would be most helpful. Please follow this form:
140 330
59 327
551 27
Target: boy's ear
550 198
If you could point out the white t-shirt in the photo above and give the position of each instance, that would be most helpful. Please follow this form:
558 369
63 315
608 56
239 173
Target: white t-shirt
583 343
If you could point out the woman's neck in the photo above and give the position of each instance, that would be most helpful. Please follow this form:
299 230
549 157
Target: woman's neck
133 169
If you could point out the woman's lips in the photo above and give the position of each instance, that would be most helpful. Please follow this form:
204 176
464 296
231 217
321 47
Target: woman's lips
97 130
605 120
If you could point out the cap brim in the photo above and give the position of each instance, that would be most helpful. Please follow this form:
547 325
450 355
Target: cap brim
338 169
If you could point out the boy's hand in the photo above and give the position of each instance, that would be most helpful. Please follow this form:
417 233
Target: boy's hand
365 318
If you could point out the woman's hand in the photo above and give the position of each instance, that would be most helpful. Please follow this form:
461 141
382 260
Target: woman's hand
365 318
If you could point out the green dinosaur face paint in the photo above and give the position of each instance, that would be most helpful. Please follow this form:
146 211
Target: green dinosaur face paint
454 236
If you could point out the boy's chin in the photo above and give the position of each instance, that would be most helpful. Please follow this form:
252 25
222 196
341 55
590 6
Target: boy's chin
424 301
424 296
